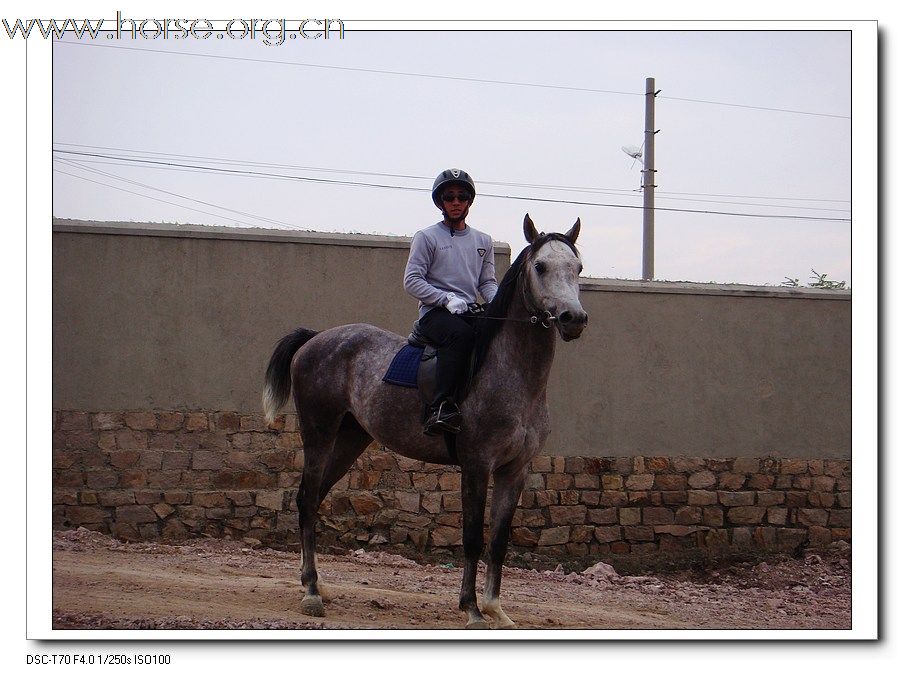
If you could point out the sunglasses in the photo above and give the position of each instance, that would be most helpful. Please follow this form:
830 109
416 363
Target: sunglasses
464 198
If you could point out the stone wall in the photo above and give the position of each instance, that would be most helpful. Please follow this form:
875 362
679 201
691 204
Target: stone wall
176 474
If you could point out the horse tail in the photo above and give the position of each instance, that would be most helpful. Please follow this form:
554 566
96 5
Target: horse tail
278 381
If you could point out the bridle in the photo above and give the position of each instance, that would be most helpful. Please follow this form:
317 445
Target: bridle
537 315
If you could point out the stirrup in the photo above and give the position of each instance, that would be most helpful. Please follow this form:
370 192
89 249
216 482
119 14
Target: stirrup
446 419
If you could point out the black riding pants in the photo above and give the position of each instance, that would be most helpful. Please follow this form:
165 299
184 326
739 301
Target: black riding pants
453 336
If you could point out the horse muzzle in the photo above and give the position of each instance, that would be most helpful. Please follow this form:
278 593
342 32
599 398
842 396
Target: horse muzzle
571 324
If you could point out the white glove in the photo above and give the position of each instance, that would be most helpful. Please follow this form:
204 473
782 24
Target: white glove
455 304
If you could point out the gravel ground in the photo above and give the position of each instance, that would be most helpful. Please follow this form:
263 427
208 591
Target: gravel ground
100 583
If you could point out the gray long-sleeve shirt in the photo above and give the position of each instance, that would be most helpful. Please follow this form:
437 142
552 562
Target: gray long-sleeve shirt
440 263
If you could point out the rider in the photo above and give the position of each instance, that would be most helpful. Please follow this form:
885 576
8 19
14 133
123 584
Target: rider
449 263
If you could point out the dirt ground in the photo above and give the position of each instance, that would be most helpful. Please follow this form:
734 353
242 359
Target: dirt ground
100 583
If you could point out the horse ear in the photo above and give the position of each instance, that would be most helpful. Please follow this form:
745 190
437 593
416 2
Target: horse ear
572 234
530 231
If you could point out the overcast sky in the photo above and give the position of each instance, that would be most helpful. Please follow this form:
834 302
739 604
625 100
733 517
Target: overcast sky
373 127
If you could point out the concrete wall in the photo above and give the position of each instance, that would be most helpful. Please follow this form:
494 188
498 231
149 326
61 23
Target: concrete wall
180 318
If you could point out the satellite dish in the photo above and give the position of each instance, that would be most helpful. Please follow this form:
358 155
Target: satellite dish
634 152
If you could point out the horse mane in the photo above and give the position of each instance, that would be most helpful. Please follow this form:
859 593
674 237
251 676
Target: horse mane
488 328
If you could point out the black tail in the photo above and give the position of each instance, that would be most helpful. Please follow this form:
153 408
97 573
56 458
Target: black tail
278 381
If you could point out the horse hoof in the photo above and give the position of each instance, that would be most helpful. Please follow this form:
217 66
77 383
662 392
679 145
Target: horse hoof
477 625
312 605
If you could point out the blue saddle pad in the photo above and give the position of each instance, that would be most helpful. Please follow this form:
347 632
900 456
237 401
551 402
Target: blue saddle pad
403 369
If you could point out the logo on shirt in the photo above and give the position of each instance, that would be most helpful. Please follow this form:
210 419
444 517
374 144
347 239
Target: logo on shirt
481 251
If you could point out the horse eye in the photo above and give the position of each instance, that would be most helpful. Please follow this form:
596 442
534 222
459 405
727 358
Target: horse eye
580 268
540 267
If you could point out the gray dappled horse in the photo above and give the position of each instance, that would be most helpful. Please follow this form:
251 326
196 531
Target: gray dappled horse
343 405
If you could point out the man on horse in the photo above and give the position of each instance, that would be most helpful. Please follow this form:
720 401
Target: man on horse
449 263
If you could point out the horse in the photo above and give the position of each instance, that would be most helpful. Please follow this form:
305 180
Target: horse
343 406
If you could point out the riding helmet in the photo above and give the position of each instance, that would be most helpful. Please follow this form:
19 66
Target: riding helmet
451 176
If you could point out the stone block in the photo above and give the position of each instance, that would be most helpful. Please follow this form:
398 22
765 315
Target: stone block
209 499
823 483
701 497
602 515
409 501
524 537
271 500
736 498
613 498
425 481
777 516
140 420
689 515
703 479
713 516
431 502
656 464
163 510
741 537
124 459
554 536
116 497
207 460
567 514
581 534
450 481
731 481
452 502
131 439
585 481
688 464
675 529
363 502
612 482
86 514
133 479
674 497
541 464
443 536
559 481
107 421
652 515
135 514
760 482
769 498
746 515
804 482
591 498
638 533
98 479
764 537
793 466
819 535
670 482
607 534
639 482
629 516
569 497
746 465
812 516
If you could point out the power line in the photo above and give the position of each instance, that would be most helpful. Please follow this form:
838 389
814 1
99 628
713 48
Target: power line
250 173
595 190
486 81
170 193
153 198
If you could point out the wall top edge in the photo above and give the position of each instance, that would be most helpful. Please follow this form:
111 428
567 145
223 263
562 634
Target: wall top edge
169 230
203 231
726 289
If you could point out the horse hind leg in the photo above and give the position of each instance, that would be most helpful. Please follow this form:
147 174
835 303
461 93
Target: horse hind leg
329 453
506 492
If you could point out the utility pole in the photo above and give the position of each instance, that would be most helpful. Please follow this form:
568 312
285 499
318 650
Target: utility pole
649 181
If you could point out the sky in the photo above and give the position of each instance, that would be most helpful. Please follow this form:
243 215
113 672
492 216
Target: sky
559 109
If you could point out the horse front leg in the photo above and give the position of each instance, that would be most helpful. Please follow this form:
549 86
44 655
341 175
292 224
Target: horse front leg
473 502
506 492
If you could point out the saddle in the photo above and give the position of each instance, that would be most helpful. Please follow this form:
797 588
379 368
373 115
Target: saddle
415 365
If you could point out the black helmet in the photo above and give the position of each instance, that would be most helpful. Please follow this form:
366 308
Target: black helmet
451 176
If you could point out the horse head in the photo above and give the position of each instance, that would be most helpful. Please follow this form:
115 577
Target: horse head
551 278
